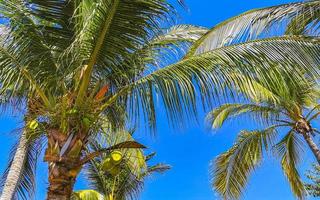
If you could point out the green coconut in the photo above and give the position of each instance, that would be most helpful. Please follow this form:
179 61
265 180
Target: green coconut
33 124
116 157
107 164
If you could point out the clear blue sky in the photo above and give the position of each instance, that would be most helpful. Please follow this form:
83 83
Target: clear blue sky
188 151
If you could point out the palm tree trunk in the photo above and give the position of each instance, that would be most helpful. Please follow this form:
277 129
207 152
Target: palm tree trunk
61 183
63 156
15 170
312 145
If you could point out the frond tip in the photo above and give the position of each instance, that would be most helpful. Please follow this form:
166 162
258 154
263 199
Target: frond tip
289 149
218 116
231 170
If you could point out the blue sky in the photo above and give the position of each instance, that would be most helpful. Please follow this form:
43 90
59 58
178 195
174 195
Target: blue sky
190 150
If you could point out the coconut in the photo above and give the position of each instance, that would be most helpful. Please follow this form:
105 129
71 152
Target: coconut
33 124
116 157
107 164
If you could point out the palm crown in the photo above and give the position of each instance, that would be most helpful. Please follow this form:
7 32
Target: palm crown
291 110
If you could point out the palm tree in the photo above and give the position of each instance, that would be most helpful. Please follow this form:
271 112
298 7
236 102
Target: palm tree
18 177
82 60
291 109
13 173
123 180
189 33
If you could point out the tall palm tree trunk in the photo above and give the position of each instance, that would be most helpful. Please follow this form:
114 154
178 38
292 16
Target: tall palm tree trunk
63 156
61 182
312 145
15 170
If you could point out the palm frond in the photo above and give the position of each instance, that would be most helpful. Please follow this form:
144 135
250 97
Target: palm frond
23 47
305 23
87 195
96 178
289 150
109 31
252 24
158 168
129 182
313 175
179 33
124 186
183 3
218 116
230 170
55 20
216 72
164 46
168 45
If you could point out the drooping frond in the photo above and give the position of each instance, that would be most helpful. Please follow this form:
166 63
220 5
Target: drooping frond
158 168
289 150
169 45
23 47
178 33
223 68
305 23
252 24
231 170
218 116
164 47
55 20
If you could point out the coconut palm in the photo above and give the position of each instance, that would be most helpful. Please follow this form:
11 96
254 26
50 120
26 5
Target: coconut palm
83 60
118 175
125 185
18 177
188 32
287 113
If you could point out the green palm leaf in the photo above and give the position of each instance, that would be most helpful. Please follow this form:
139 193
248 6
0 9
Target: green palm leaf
87 195
230 170
218 116
289 150
217 72
252 24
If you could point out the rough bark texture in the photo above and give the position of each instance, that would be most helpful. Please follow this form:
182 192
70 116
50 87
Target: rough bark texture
314 148
15 170
63 156
61 183
305 129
